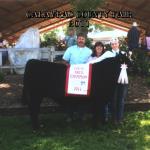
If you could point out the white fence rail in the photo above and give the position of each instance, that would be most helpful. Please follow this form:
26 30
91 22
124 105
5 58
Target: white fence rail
48 54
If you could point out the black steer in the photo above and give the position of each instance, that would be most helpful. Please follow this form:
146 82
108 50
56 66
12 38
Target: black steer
47 79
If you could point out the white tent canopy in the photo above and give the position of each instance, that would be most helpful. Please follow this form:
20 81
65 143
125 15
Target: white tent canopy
106 36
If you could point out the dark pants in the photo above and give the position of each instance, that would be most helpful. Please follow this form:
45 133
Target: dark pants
117 103
4 57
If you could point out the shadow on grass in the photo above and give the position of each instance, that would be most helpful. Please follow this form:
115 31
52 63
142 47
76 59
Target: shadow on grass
132 134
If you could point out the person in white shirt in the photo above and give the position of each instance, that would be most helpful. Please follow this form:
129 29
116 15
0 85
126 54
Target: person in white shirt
112 53
117 102
98 50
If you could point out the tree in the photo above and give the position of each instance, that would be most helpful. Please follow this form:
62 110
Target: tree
84 5
49 38
102 27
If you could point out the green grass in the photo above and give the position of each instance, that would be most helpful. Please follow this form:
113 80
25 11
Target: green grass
133 134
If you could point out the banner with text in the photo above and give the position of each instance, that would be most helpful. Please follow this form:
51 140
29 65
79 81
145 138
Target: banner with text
78 79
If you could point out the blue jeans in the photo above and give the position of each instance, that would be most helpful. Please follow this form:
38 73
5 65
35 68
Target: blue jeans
117 103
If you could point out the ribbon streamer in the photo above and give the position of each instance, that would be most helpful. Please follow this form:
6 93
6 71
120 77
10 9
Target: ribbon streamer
123 77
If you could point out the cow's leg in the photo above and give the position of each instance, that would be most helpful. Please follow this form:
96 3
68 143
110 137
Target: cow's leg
95 111
122 93
34 108
98 113
24 96
102 112
69 111
117 104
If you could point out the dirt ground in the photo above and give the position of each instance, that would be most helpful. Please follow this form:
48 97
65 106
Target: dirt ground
11 90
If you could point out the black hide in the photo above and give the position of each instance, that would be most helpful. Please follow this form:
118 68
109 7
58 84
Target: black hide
47 79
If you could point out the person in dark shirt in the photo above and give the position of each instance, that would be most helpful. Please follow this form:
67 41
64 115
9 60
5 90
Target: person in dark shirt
133 37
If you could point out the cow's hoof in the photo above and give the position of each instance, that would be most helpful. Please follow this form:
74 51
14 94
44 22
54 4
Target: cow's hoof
95 125
35 128
42 126
117 123
69 120
34 131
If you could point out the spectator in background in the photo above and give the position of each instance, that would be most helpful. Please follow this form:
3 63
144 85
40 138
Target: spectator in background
147 39
70 39
133 37
3 44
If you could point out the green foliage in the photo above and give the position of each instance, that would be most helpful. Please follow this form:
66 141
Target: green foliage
133 134
102 27
82 30
141 62
88 42
86 5
1 77
123 44
49 38
108 47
